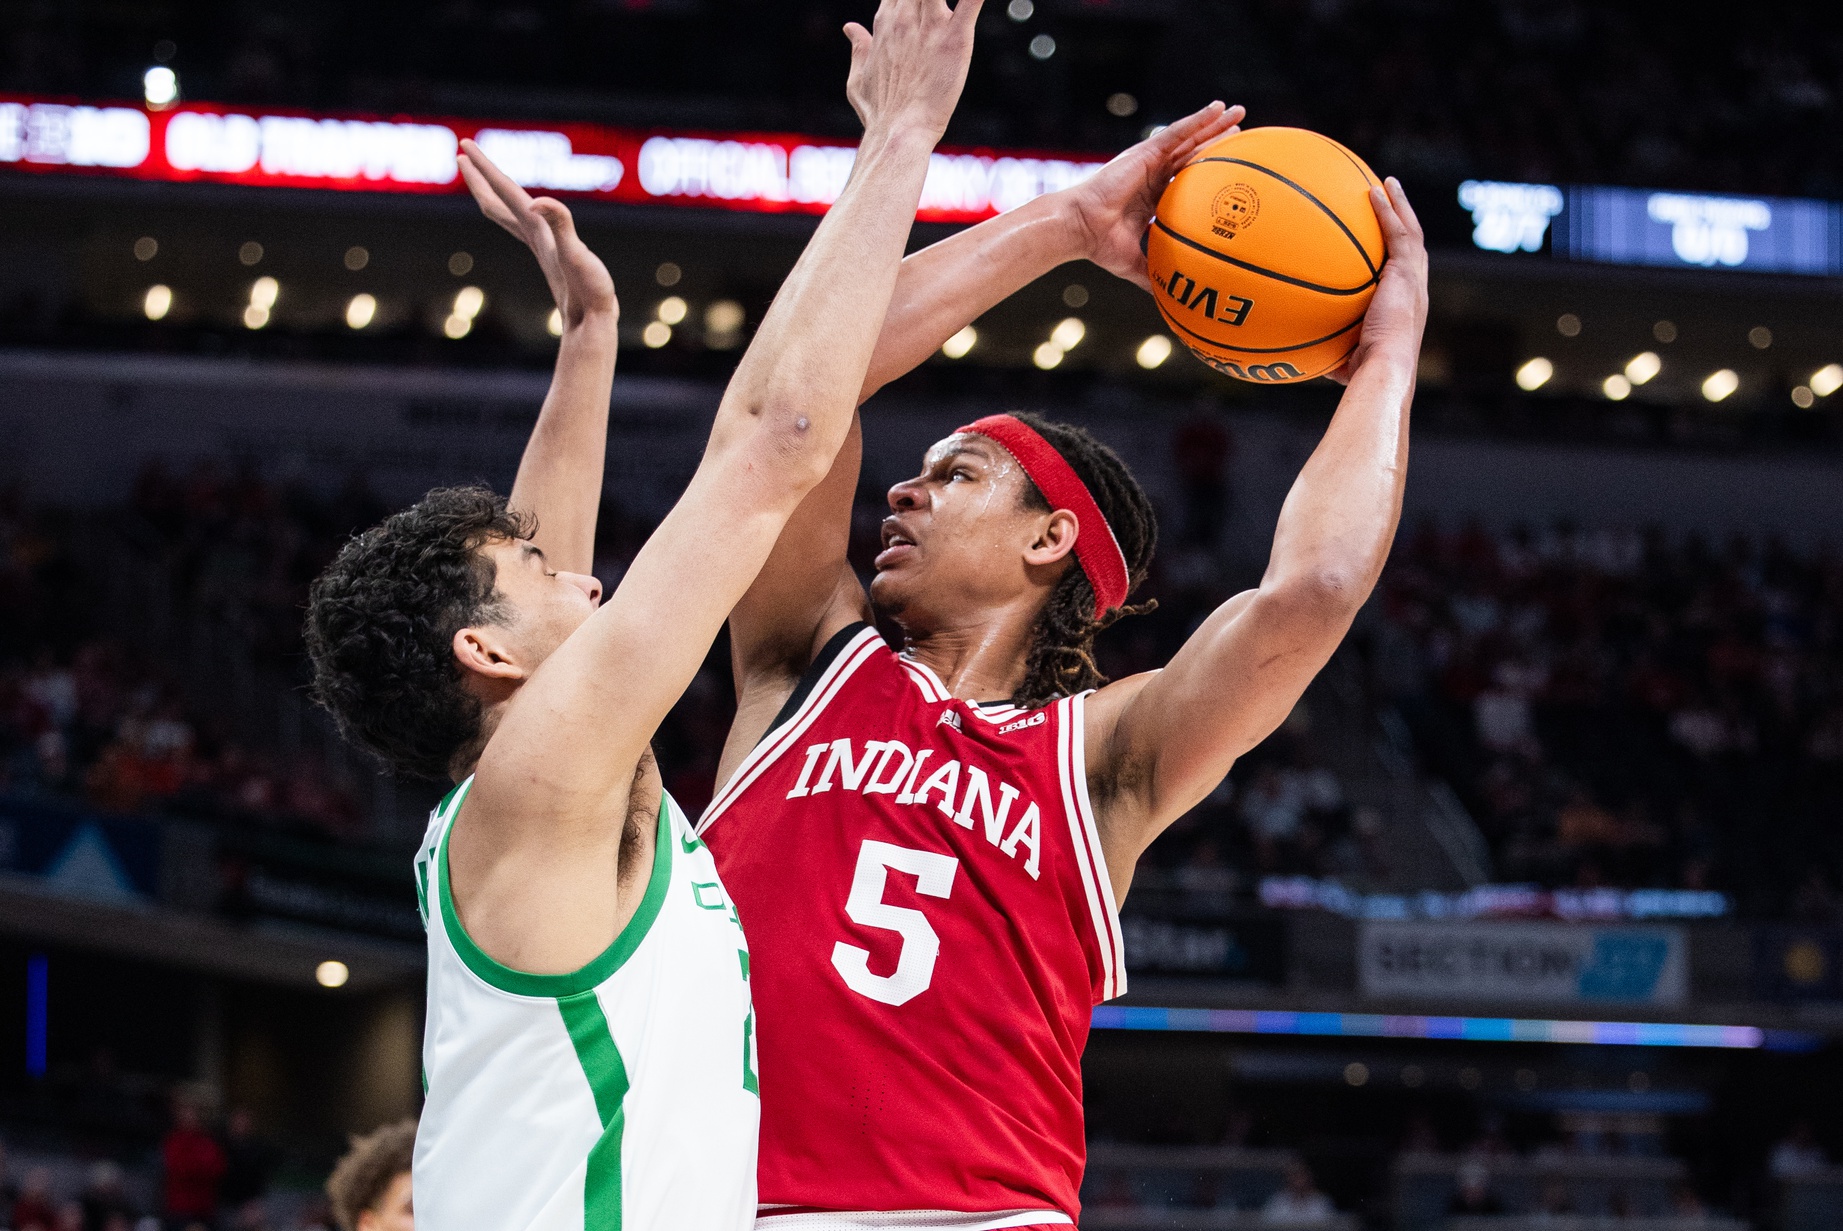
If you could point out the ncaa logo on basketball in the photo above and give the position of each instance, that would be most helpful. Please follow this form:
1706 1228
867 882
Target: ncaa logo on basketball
1235 209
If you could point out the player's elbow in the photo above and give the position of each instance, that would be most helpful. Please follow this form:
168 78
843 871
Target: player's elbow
1324 597
785 445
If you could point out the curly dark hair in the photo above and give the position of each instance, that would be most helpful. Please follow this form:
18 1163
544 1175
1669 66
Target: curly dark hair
362 1177
381 622
1061 660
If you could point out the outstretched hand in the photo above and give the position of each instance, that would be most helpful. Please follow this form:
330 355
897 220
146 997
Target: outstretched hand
1397 314
1116 203
579 282
908 69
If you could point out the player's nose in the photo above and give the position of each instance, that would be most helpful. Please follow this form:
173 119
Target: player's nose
906 495
587 584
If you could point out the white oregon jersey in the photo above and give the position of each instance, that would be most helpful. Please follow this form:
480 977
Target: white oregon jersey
621 1097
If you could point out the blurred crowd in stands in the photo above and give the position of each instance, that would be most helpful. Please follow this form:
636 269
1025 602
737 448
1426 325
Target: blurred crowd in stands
1626 708
1518 89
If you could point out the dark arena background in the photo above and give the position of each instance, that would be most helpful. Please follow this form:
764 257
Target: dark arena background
1532 912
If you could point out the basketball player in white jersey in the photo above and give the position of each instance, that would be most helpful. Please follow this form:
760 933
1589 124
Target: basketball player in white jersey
588 1054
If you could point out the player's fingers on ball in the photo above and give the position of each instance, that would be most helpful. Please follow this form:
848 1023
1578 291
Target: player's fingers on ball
1398 197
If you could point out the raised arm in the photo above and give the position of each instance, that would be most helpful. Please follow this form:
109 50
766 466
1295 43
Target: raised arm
540 833
807 591
559 480
1159 743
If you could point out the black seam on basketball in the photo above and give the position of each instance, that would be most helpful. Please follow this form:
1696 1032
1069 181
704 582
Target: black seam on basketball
1302 191
1369 177
1252 350
1266 273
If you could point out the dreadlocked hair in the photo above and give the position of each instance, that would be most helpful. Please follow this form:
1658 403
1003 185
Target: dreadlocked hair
1061 659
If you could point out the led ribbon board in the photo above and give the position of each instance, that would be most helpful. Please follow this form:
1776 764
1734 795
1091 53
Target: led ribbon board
1674 230
756 172
1465 1029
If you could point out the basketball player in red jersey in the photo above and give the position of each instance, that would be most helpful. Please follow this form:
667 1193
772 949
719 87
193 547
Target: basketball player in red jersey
927 846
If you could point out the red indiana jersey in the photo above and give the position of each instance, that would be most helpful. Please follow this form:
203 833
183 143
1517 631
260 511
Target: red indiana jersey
930 924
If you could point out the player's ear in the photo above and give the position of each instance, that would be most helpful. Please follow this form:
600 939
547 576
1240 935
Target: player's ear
484 651
1055 539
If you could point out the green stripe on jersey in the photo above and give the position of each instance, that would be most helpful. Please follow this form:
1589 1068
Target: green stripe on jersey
600 968
602 1065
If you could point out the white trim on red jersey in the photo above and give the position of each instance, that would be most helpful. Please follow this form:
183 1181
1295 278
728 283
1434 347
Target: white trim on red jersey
778 741
772 1218
1072 765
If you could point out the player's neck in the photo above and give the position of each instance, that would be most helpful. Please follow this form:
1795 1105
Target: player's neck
977 661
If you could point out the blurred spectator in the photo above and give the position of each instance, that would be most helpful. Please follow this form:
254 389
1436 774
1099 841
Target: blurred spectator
1474 1195
248 1161
370 1187
193 1164
105 1199
1298 1202
1798 1153
33 1207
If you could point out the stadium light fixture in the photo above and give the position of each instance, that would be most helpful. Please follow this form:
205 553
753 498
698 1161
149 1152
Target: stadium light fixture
468 301
461 264
146 248
160 87
1827 379
1153 351
1803 398
357 258
656 334
1665 332
1068 333
157 302
1046 356
1122 104
263 294
1020 10
332 973
1568 325
668 274
1720 385
1642 367
1534 374
554 322
672 309
961 344
1759 337
1042 47
250 253
1616 388
360 311
723 324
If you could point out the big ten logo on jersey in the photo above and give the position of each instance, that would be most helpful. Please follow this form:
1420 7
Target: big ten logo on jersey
964 793
1207 301
1252 371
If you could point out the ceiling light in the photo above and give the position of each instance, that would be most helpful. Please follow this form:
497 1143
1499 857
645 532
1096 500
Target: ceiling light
1153 351
157 302
961 344
250 253
724 316
255 317
668 274
160 86
1568 325
1827 379
672 310
146 248
1122 104
656 334
1075 295
1665 332
1720 385
1642 367
468 301
554 322
457 327
360 310
1760 337
332 974
461 264
1042 47
357 258
264 292
1534 374
1068 333
1047 356
1803 398
1616 388
1020 10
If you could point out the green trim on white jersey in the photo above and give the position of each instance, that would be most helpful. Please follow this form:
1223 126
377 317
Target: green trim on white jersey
605 1099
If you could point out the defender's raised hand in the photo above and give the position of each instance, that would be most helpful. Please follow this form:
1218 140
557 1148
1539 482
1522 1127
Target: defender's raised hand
579 282
1116 203
907 70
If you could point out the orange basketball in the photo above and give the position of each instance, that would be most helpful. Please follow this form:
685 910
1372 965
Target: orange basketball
1265 253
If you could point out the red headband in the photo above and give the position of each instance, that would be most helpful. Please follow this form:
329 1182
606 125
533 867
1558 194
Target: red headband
1098 553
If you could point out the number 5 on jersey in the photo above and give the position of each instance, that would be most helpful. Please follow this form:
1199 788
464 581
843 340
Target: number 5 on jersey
865 906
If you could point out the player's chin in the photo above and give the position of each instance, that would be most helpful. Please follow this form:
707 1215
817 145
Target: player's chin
888 592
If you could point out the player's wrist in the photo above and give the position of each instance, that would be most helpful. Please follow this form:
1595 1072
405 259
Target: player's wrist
899 134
